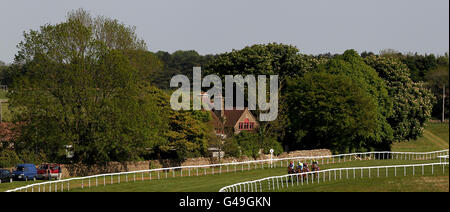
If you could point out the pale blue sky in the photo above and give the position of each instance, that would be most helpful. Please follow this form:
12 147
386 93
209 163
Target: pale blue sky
210 26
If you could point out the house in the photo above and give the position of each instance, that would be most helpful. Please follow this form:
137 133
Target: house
232 122
237 121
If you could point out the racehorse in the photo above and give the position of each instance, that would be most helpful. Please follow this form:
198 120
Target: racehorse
305 170
291 171
315 167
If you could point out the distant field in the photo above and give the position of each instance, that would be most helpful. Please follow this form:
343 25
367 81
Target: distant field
435 137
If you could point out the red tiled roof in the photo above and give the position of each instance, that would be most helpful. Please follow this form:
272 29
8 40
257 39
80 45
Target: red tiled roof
232 116
216 121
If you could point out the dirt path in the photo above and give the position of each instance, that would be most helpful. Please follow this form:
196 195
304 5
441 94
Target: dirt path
435 139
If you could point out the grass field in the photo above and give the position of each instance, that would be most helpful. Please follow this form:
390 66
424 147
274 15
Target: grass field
414 181
212 183
435 138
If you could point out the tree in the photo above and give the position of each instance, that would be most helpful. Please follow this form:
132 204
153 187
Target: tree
75 87
412 102
263 59
2 73
419 65
147 64
110 32
266 59
352 65
437 81
331 111
185 134
179 62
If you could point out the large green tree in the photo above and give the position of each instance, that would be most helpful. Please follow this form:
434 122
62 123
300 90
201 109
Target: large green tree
412 102
438 81
179 62
330 111
351 65
186 133
75 85
266 59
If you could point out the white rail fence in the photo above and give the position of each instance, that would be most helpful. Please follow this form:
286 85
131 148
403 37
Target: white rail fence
150 174
270 184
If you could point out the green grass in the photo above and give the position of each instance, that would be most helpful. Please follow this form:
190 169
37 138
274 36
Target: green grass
436 137
15 184
414 181
211 183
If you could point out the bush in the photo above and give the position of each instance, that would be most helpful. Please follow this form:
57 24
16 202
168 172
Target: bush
32 157
8 159
231 148
272 143
249 144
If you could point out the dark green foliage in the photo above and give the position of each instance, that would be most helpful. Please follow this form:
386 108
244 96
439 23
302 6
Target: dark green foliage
74 89
249 143
438 79
86 83
352 65
179 62
331 111
419 65
231 148
271 143
412 102
8 158
265 59
186 133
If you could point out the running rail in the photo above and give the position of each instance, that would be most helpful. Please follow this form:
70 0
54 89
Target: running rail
64 184
271 184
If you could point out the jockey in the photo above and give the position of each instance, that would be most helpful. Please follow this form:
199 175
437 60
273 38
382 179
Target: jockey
300 165
291 165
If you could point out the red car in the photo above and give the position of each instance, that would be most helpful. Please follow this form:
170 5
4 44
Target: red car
49 171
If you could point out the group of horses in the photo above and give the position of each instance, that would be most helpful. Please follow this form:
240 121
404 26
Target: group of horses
298 170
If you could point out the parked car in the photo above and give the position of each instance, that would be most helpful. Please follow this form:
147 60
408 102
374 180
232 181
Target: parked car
5 176
49 171
25 172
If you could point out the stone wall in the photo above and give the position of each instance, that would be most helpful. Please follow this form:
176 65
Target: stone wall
73 170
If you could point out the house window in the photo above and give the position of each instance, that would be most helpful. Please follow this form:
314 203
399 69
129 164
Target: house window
246 125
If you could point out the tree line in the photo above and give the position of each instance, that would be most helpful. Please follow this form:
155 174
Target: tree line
89 86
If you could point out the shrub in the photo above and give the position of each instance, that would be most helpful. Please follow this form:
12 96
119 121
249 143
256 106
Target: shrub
272 143
231 148
9 158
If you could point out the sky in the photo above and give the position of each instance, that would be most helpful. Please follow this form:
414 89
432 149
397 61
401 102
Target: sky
212 26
